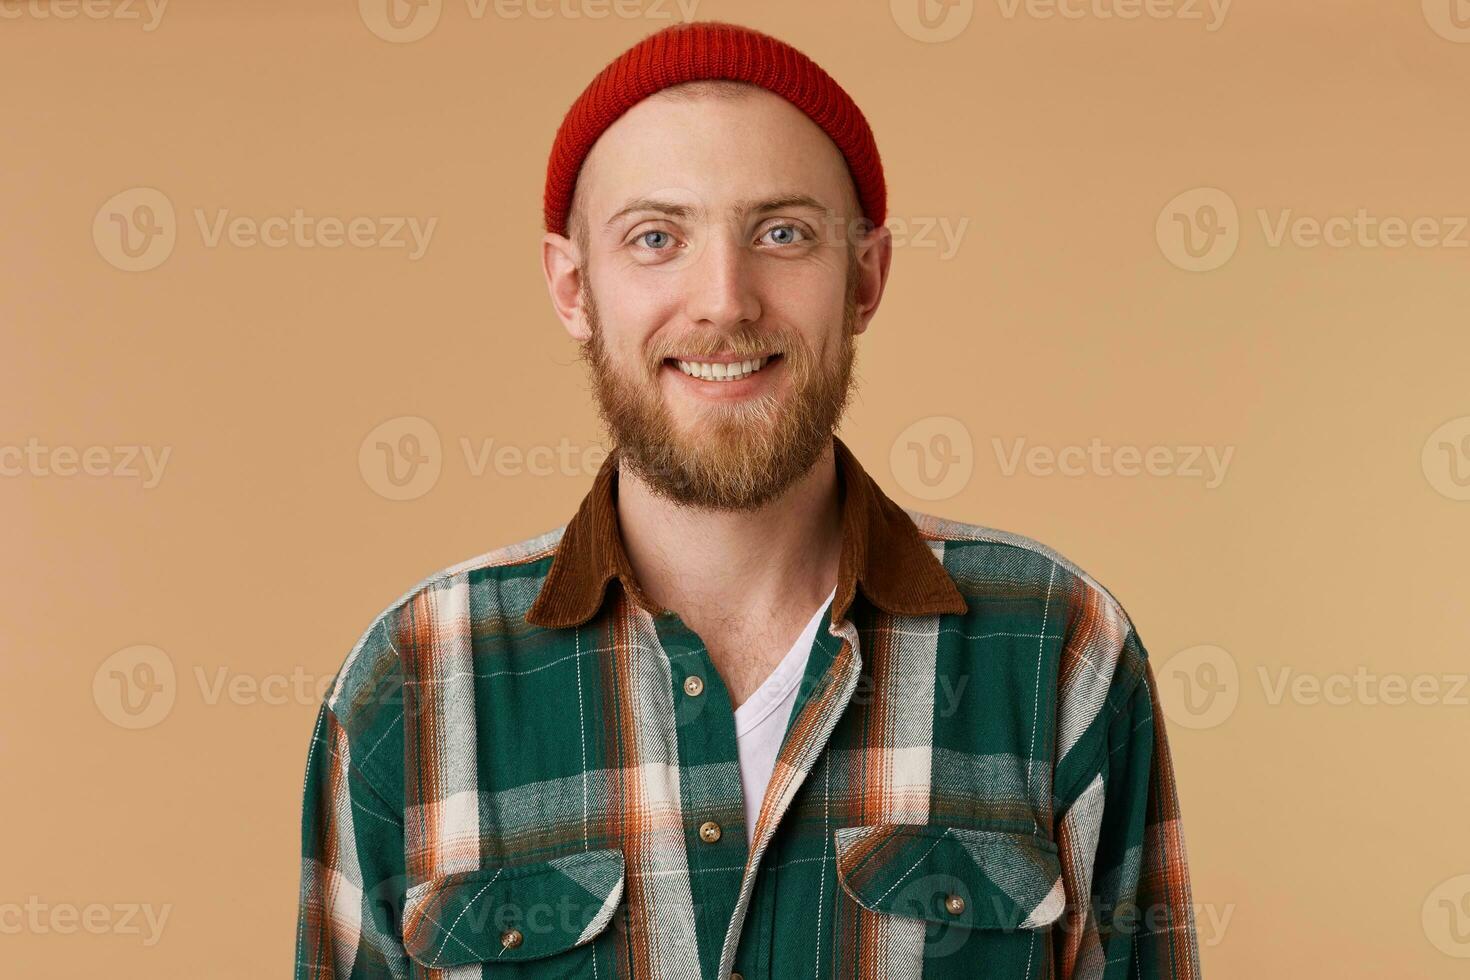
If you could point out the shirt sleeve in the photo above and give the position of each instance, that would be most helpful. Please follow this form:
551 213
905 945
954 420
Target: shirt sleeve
1129 913
352 867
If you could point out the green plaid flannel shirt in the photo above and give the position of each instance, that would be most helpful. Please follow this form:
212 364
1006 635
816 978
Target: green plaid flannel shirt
509 778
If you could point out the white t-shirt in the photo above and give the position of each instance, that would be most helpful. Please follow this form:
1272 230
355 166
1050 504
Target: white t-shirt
760 722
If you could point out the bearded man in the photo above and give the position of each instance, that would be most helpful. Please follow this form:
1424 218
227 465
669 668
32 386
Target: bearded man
742 715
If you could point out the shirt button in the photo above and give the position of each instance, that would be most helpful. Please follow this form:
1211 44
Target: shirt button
954 905
693 686
709 831
511 938
736 976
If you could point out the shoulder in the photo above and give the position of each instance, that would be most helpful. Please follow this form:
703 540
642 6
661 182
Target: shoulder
1101 663
976 547
992 568
374 661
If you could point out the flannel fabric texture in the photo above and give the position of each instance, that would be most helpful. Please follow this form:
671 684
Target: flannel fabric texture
510 777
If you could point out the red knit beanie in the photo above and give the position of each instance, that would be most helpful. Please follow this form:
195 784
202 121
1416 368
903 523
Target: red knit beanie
706 50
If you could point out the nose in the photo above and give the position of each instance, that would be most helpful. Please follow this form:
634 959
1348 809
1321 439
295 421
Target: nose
721 292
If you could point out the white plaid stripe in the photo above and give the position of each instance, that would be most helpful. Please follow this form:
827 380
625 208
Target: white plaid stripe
660 863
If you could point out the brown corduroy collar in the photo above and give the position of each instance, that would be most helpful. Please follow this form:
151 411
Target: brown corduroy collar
881 550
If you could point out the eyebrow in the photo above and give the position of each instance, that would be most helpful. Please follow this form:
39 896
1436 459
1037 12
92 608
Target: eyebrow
676 210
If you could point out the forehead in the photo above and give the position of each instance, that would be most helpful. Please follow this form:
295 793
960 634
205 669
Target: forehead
711 151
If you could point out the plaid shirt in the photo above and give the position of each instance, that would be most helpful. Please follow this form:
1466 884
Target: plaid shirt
513 776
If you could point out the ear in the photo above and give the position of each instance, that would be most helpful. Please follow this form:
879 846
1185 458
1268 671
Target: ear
875 256
559 264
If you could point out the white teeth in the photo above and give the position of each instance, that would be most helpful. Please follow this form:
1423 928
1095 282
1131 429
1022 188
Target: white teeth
734 371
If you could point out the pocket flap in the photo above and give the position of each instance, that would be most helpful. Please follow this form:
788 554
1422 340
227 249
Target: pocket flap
512 913
982 879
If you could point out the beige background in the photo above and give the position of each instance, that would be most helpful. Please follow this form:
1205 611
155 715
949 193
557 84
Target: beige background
1325 820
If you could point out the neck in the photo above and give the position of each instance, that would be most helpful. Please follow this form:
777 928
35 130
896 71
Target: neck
700 563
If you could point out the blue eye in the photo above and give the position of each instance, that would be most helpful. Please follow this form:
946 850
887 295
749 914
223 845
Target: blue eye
790 231
660 234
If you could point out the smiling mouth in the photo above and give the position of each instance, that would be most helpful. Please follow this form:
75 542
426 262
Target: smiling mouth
722 370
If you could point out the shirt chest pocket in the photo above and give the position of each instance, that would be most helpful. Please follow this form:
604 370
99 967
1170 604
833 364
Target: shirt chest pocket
938 902
539 920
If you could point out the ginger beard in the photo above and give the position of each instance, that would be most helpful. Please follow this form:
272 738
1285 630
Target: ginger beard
736 455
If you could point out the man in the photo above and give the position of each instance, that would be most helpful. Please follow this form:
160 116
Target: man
743 715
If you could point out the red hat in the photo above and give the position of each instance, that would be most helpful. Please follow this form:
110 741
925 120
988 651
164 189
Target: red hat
704 50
